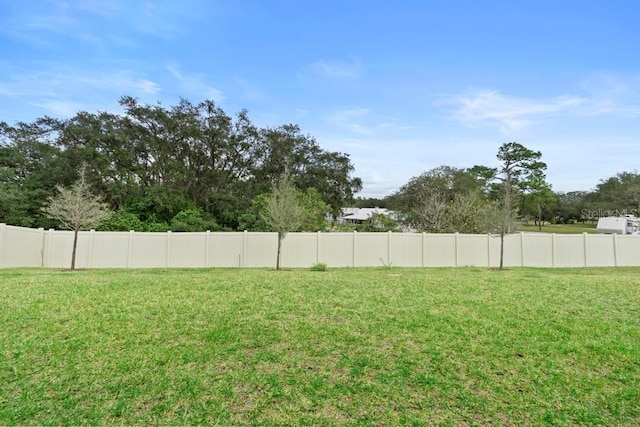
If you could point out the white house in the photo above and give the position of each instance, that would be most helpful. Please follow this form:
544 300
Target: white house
359 215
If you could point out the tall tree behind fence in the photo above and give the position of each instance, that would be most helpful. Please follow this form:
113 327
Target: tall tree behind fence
25 247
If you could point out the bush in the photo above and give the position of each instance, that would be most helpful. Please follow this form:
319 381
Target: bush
192 220
121 221
320 266
153 226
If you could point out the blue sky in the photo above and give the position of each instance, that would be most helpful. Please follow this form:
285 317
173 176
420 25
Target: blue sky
402 86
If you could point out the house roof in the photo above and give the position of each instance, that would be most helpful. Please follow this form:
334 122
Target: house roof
362 214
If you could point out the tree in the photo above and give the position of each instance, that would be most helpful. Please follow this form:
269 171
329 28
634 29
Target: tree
29 168
441 200
156 161
378 222
571 207
76 208
255 218
192 220
287 149
520 168
541 197
121 220
283 211
371 202
617 195
314 213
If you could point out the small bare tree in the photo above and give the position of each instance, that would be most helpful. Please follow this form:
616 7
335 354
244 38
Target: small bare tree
284 212
76 208
431 211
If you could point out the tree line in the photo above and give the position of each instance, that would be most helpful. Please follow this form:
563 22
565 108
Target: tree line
449 199
187 167
193 167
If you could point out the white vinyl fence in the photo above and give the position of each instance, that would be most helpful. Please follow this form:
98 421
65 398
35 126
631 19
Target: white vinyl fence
25 247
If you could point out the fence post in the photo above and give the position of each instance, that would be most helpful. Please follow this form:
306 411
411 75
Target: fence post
521 249
41 230
3 243
168 254
206 249
244 249
455 246
353 253
318 247
423 242
388 248
130 249
488 250
615 250
553 249
584 247
50 234
92 233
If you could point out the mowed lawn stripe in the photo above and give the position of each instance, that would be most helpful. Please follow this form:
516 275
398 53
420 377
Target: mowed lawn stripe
346 346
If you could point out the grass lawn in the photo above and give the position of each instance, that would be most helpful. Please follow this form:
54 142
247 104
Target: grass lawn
577 228
375 346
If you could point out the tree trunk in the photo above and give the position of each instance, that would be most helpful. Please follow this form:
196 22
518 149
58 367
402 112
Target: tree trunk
280 237
506 218
75 246
539 218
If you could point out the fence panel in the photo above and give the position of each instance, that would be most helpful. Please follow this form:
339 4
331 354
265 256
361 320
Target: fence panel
300 250
473 250
336 249
599 250
439 250
261 249
627 250
59 247
187 249
538 249
112 249
570 250
226 249
371 249
405 249
24 247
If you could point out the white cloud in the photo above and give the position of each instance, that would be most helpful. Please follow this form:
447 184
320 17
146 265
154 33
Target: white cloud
386 163
63 91
350 119
337 70
195 84
38 22
613 94
147 86
99 23
361 121
55 80
248 90
508 114
60 108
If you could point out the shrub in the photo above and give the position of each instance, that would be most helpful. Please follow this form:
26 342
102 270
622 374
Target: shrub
320 266
121 221
192 220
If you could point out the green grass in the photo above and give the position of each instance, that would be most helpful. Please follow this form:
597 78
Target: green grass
577 228
373 346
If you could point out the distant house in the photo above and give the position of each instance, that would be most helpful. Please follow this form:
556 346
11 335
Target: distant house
359 215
